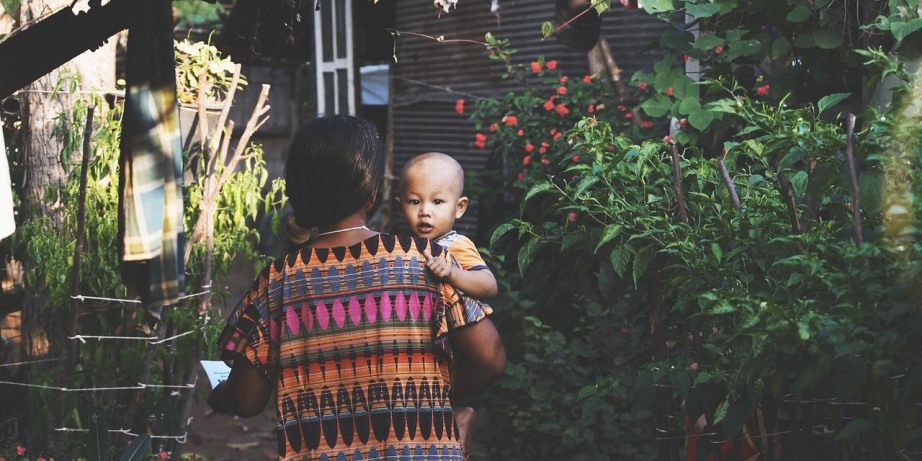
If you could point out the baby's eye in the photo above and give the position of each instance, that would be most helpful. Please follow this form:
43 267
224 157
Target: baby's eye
414 202
438 201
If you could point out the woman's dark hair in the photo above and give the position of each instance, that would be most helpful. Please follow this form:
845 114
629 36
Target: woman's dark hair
335 165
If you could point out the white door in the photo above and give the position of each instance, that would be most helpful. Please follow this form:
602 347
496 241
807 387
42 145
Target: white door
333 57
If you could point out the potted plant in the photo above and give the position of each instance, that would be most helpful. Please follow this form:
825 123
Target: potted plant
200 63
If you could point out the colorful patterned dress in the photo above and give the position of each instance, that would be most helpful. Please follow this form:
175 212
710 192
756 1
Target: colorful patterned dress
347 336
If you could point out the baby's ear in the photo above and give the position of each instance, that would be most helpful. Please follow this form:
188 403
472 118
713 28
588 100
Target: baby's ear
461 207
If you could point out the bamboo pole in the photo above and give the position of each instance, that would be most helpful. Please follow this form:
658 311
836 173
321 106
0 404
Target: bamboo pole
853 177
677 184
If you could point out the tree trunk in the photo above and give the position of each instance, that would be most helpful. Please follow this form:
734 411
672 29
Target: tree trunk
44 326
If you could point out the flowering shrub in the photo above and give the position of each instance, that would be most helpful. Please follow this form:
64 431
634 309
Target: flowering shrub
729 249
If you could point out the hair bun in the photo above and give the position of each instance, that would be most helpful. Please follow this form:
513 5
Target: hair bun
297 234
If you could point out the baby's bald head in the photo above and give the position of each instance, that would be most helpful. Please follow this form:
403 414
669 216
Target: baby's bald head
435 164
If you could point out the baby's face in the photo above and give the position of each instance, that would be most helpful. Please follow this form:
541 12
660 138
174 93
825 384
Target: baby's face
430 201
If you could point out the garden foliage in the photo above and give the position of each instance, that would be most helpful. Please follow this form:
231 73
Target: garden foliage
723 248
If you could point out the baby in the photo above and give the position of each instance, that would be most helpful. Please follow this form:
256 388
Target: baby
431 188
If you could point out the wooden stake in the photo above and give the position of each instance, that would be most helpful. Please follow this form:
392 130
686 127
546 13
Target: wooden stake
853 177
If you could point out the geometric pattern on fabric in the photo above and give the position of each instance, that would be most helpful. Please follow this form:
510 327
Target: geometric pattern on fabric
347 335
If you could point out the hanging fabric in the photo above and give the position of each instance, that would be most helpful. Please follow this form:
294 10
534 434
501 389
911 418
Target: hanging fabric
150 184
7 219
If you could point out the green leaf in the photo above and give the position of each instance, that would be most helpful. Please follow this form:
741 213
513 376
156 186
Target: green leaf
138 449
827 39
707 42
689 105
97 443
539 187
792 157
701 119
658 6
584 183
619 258
681 381
609 232
855 427
657 106
717 251
11 7
799 183
642 262
527 253
602 5
547 28
902 29
780 47
830 100
704 10
800 13
871 186
501 231
721 412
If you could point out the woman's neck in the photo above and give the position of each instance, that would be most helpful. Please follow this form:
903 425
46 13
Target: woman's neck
348 231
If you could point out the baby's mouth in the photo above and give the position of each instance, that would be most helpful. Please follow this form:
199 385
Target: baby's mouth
424 227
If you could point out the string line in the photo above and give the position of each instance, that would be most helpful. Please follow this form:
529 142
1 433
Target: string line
179 438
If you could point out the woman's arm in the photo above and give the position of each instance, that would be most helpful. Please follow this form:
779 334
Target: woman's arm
245 393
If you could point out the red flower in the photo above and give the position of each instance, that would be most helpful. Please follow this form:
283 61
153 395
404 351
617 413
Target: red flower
161 455
20 450
520 133
557 135
480 140
549 104
575 158
668 139
563 79
628 115
529 147
683 123
42 458
494 127
553 131
611 148
551 65
545 161
520 177
763 90
542 150
621 107
591 108
685 57
572 216
718 50
526 160
535 67
642 85
510 120
669 91
561 90
646 124
562 110
459 106
587 79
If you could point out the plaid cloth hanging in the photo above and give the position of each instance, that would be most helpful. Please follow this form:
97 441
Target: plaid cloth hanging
150 183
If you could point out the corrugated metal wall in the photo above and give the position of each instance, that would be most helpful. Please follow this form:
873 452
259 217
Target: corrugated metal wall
430 76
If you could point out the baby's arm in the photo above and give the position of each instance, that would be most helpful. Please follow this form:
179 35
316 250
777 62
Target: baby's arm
478 284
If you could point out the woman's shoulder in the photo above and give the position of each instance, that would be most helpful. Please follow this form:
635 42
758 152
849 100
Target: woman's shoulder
382 244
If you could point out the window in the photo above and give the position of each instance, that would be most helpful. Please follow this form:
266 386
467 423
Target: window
333 57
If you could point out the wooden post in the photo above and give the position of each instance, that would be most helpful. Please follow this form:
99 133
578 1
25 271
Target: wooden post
68 371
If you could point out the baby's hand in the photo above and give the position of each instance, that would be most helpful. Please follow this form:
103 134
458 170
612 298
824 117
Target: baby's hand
439 267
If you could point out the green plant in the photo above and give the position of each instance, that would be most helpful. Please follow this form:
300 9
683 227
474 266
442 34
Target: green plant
753 254
195 59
